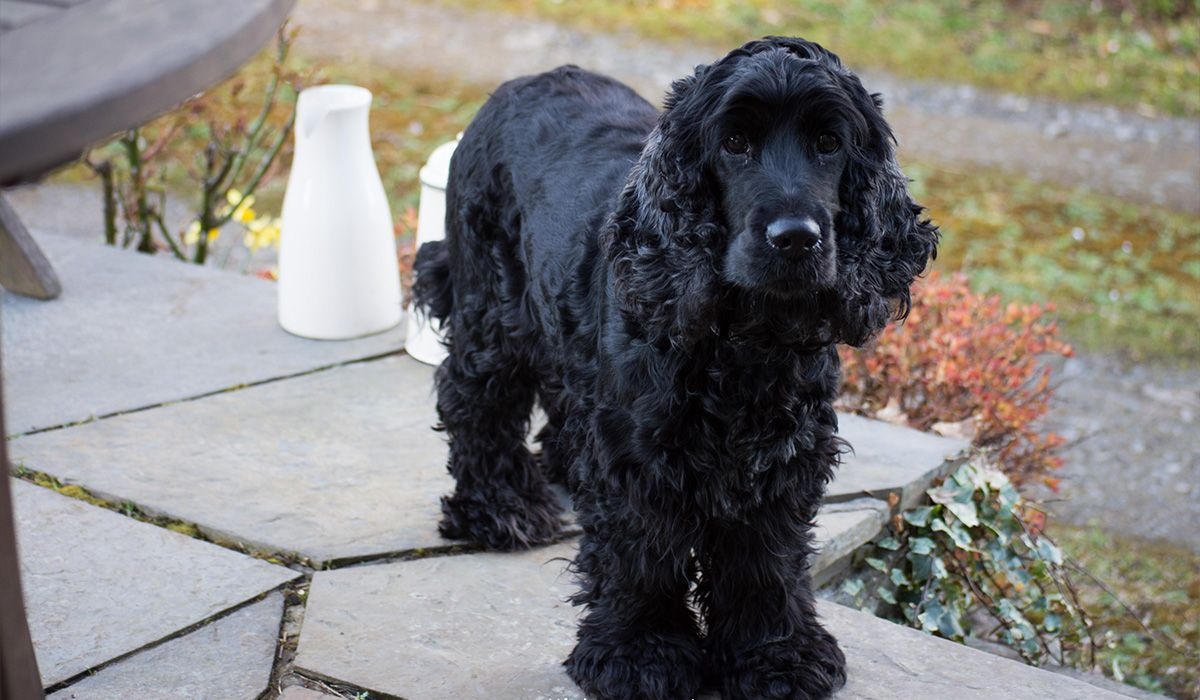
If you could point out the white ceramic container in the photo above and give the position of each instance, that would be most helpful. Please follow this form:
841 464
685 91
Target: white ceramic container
338 273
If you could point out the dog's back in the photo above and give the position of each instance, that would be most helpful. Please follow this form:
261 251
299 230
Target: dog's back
530 184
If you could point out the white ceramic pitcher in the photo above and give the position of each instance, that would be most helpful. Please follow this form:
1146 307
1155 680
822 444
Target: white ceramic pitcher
423 341
338 274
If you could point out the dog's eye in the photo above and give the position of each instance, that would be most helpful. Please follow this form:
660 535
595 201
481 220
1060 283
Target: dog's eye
737 143
828 143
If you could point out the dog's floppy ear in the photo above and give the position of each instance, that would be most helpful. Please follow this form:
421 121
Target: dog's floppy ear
677 149
884 242
660 241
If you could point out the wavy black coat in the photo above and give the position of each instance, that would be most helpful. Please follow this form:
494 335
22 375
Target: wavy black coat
612 264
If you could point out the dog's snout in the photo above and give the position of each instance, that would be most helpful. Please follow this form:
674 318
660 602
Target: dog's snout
794 237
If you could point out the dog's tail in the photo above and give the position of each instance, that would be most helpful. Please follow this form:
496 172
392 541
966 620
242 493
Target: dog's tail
432 289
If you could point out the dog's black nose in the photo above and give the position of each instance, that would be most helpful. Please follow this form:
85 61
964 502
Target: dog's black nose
794 237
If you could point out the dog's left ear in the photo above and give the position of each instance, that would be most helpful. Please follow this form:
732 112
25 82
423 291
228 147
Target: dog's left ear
884 242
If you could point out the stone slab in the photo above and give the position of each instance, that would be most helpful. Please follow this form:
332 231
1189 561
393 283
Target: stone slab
889 661
99 585
841 529
488 625
229 659
495 626
331 465
342 464
890 459
132 330
299 692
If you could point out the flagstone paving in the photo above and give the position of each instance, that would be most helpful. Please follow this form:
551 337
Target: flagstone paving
229 659
343 464
133 330
497 626
99 585
337 464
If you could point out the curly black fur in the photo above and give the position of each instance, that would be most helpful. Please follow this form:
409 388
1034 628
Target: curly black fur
670 288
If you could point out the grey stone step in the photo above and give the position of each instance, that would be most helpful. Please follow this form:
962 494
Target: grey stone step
841 529
342 464
497 626
133 330
99 585
229 659
890 459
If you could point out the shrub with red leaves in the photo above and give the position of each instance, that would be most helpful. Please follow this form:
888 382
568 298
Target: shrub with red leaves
966 364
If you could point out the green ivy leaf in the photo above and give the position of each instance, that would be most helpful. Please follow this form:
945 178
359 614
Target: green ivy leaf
965 512
899 578
877 564
960 537
1047 551
949 625
938 569
886 595
889 543
921 545
853 587
918 517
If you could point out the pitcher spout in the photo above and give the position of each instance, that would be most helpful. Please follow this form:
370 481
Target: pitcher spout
317 103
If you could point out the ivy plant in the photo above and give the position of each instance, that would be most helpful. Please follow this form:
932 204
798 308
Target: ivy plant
969 564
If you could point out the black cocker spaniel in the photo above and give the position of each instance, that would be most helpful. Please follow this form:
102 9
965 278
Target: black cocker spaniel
670 288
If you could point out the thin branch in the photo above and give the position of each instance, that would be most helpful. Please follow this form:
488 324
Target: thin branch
1162 638
263 167
255 132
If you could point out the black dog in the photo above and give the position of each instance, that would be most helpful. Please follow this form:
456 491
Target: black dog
670 289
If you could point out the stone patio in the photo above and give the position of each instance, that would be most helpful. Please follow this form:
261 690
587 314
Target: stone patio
172 388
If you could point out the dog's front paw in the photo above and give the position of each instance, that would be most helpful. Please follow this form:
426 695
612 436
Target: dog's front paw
502 519
797 669
650 666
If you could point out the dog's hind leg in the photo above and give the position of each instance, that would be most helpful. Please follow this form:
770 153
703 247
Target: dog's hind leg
486 391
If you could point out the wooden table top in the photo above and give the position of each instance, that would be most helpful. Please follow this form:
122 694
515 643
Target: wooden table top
74 72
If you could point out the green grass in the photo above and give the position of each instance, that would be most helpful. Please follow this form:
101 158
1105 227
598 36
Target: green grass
1123 277
1142 54
1156 647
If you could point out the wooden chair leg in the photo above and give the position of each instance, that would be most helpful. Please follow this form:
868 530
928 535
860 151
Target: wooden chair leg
24 269
19 677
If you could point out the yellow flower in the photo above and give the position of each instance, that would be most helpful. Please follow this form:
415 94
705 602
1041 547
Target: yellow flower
262 232
242 211
192 235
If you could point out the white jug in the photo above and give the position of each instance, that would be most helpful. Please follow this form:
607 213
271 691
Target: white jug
338 273
423 341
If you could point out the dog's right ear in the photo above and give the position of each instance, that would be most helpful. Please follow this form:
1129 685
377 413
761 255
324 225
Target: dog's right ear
661 239
676 150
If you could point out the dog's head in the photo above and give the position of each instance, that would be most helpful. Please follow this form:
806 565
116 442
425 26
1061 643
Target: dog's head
778 164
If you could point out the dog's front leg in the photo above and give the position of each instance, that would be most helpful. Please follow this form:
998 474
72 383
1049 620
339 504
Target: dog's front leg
638 637
764 638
